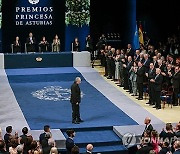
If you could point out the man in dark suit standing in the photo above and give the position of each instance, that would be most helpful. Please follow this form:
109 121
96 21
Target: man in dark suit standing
69 141
42 135
140 78
75 101
150 75
148 127
176 85
30 43
157 88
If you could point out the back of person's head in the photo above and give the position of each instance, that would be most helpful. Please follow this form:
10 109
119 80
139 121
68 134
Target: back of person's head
20 149
46 128
14 142
70 132
168 126
34 144
54 150
75 150
25 130
29 140
2 144
154 133
9 129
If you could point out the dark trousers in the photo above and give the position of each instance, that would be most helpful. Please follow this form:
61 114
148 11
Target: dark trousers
75 112
157 95
140 89
151 94
175 96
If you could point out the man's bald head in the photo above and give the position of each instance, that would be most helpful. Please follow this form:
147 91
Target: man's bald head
147 120
89 147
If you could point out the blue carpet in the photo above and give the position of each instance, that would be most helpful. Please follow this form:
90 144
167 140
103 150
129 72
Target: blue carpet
96 109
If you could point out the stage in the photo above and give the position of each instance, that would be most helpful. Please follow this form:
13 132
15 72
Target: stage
44 60
40 96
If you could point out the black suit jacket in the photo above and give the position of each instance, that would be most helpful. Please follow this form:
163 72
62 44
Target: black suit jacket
29 42
151 74
75 93
176 80
149 128
146 64
69 145
158 82
140 74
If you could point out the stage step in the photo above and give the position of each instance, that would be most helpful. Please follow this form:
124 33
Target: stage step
103 139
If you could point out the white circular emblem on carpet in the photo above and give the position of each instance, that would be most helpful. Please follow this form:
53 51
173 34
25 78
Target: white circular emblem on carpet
53 93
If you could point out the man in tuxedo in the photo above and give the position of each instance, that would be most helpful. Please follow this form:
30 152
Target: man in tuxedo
150 75
30 42
140 78
148 127
70 140
89 149
75 101
157 88
176 85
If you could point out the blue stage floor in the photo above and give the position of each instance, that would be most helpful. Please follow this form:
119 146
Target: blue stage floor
43 94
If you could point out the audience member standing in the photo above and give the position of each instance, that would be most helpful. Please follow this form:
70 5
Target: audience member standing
69 141
148 127
176 85
26 139
140 78
157 88
89 46
7 137
151 75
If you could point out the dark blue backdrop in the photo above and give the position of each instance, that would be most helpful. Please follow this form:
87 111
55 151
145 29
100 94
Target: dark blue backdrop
75 31
10 30
66 33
